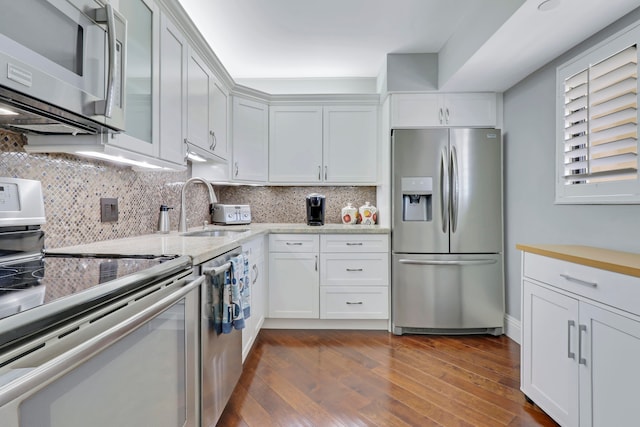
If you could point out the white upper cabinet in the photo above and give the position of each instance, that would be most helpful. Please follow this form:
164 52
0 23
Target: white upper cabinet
350 148
173 86
295 144
219 107
250 138
198 81
206 110
443 109
316 145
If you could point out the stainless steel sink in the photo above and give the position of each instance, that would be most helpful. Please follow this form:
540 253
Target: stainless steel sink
215 233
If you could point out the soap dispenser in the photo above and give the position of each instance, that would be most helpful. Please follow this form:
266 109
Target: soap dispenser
163 220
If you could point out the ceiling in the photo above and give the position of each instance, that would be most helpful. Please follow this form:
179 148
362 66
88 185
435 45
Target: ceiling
482 45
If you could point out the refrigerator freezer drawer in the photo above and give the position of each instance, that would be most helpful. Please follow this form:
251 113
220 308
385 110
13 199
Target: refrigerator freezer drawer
447 293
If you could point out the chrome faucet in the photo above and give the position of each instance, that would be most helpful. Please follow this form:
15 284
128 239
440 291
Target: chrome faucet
183 214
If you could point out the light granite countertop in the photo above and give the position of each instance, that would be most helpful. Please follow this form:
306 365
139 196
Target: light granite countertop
203 248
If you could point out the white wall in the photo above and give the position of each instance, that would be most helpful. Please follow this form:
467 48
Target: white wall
529 152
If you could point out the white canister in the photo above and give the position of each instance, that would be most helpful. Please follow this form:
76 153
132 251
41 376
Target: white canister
368 214
349 214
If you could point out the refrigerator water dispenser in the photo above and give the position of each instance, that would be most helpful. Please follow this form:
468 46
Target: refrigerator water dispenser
416 198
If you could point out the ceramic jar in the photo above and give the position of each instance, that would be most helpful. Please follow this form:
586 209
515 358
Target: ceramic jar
349 214
368 214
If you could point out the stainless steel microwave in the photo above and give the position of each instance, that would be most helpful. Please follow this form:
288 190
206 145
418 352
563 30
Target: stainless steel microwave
62 66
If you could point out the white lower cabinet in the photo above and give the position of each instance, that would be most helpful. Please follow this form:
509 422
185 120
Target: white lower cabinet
354 277
331 276
580 354
293 276
254 249
354 302
609 374
549 375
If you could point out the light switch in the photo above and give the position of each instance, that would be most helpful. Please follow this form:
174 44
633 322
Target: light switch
108 209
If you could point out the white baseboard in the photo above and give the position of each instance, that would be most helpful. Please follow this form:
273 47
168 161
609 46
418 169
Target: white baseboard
511 325
371 324
512 328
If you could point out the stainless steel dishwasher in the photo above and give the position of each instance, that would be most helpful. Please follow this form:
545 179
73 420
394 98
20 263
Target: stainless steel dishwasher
221 353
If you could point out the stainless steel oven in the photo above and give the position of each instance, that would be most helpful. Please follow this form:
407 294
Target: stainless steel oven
130 363
98 340
62 66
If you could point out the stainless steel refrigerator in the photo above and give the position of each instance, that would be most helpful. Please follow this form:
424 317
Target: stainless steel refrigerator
446 239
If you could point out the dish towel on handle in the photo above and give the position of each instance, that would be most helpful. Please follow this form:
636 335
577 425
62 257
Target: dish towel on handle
236 295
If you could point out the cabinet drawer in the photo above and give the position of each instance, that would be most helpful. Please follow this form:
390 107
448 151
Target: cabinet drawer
614 289
293 243
354 243
369 269
345 302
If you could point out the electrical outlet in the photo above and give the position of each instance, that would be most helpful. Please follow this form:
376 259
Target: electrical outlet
108 209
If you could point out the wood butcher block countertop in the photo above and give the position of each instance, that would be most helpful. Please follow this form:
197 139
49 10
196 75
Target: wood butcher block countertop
619 262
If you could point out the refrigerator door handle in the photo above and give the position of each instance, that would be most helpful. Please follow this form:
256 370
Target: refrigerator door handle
454 189
444 191
451 262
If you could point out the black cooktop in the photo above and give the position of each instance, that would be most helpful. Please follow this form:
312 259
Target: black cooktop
32 282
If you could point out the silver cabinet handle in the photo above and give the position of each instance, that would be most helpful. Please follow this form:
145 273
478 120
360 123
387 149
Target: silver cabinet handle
46 372
105 107
186 150
570 354
214 140
440 115
354 243
446 116
578 281
581 329
355 303
325 173
316 262
438 262
236 165
319 173
444 191
454 189
293 243
257 271
355 269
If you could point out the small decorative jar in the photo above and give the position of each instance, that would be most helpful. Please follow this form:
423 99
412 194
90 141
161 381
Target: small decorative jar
349 214
368 214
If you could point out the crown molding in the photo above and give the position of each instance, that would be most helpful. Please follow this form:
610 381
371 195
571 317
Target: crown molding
180 18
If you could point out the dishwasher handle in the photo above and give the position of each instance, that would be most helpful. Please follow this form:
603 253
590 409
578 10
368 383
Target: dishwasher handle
50 370
214 271
448 262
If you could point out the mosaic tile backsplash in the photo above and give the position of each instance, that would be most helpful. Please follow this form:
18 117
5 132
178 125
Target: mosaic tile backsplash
287 204
73 186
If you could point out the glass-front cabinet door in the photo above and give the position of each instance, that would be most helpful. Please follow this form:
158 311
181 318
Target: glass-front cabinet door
141 80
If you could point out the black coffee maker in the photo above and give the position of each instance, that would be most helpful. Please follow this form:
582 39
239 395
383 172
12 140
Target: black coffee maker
315 209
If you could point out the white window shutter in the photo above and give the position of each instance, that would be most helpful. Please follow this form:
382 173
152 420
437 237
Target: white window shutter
600 121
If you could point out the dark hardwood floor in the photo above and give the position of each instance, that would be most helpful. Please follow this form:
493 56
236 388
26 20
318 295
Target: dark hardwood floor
373 378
